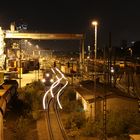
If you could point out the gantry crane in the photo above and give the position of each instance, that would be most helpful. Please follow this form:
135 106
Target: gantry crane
14 34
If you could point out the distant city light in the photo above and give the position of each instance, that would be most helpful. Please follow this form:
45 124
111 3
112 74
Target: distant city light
89 48
132 42
112 70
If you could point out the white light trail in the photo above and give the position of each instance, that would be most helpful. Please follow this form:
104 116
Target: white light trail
53 70
45 95
44 99
53 86
56 83
58 95
51 89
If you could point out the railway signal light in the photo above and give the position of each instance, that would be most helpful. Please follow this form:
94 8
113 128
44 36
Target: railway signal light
54 64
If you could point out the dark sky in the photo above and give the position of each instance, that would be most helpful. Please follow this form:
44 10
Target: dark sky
120 17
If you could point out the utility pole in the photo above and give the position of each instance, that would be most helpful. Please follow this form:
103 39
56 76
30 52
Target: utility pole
95 23
81 59
104 113
109 60
20 67
104 101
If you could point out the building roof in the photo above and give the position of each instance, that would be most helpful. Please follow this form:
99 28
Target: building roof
86 90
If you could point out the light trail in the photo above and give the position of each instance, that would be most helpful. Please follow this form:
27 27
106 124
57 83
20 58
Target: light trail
56 83
58 95
53 86
44 98
53 70
47 92
51 90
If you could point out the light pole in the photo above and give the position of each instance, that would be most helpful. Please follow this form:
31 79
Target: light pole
20 65
38 60
95 23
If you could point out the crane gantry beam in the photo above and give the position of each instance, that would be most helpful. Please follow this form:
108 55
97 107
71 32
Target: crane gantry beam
43 36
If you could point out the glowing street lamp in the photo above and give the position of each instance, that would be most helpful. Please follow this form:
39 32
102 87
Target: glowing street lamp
95 23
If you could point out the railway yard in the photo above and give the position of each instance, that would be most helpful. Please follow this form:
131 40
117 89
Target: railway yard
36 129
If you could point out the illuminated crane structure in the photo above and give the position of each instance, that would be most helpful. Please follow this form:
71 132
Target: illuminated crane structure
13 34
2 46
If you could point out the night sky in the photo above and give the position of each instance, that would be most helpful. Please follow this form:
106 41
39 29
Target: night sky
120 17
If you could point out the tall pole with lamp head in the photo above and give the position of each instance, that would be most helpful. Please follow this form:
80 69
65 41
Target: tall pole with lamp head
95 23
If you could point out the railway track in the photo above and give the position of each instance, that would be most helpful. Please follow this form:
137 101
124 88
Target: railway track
56 130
